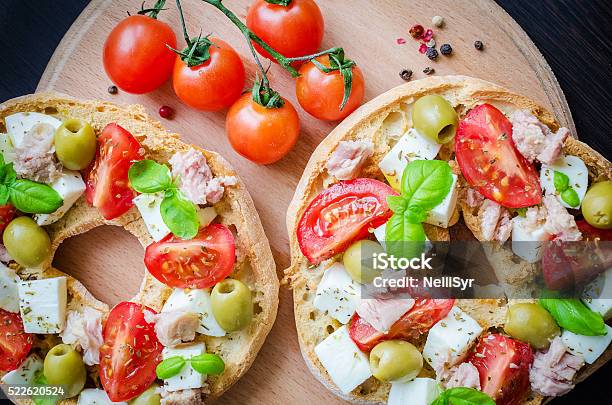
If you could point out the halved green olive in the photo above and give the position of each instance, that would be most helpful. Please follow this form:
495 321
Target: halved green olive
435 118
358 260
149 397
395 360
64 366
75 144
26 242
597 205
531 323
232 305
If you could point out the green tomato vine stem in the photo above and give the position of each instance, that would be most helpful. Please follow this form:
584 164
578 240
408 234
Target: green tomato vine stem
154 11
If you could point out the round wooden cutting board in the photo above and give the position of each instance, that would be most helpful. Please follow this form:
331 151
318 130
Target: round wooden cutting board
109 261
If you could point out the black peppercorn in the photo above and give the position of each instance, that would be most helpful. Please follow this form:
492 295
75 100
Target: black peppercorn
406 74
446 49
432 53
478 45
112 90
428 70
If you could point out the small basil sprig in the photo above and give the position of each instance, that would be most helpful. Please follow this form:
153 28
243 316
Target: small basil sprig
40 379
207 363
178 213
566 192
573 315
27 196
463 396
425 184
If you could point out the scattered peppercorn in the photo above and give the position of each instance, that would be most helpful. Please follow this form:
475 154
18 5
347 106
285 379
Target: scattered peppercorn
166 112
112 89
446 49
406 74
478 45
432 53
416 31
437 21
429 70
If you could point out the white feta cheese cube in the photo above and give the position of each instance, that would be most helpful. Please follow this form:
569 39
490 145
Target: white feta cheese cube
411 146
598 288
24 374
19 124
70 186
337 293
589 347
449 340
95 396
42 304
420 391
443 212
149 207
188 377
527 244
197 301
346 365
574 168
9 289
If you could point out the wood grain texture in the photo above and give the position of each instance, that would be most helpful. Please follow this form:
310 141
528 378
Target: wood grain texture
110 263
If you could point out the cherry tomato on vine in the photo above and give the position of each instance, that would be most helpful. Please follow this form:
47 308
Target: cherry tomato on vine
214 84
136 57
295 29
321 94
261 134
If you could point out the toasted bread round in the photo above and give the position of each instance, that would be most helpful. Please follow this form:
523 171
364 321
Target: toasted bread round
380 121
254 264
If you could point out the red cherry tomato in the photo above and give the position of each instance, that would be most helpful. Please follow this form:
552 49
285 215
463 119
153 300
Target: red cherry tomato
107 181
213 85
503 366
130 352
490 162
320 94
15 344
7 213
340 215
200 262
293 30
136 57
418 320
262 135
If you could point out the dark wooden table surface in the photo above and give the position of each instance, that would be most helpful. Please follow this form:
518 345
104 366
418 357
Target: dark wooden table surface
575 37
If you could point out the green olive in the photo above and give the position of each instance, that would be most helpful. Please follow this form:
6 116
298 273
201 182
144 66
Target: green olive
75 144
395 360
149 397
597 205
358 260
531 323
232 305
26 242
435 118
64 366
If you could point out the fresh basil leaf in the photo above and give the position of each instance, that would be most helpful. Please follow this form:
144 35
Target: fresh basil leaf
7 174
396 203
207 363
521 212
34 198
404 238
561 181
180 215
573 315
426 183
40 379
148 176
570 196
4 194
170 367
2 161
463 396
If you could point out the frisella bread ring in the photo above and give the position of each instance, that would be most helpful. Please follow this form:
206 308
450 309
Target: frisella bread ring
196 196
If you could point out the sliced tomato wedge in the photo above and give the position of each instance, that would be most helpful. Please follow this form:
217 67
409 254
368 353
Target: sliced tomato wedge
107 180
15 344
200 262
490 162
130 352
503 366
417 321
340 215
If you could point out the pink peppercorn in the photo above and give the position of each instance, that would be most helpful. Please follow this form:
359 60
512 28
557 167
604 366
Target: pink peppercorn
423 48
400 41
427 35
166 112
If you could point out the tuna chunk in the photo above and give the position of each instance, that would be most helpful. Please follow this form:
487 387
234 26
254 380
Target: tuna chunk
383 313
174 327
84 329
463 375
559 222
35 157
183 397
534 140
474 198
495 223
553 371
348 159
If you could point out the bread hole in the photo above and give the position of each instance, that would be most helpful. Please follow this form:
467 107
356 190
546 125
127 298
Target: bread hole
311 315
330 329
394 125
50 110
2 128
100 109
516 259
306 296
107 260
257 309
